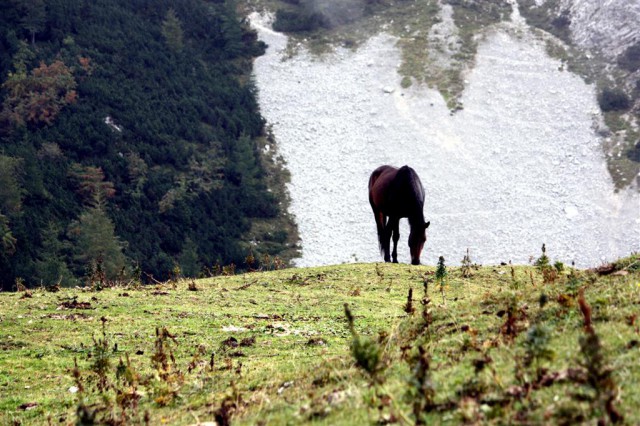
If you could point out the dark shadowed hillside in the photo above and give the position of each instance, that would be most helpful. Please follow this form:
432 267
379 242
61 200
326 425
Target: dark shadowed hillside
130 140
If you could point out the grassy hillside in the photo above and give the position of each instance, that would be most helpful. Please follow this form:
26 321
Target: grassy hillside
484 344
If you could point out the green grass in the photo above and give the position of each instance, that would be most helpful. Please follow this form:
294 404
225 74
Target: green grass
293 362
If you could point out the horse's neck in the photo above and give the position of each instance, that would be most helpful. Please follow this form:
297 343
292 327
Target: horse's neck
417 220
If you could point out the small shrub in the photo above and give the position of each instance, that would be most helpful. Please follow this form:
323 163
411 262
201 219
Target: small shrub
421 387
537 347
599 373
543 263
408 307
298 21
613 99
441 275
634 153
167 378
366 352
466 265
630 58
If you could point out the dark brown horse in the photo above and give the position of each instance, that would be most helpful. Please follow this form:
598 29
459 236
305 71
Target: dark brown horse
396 193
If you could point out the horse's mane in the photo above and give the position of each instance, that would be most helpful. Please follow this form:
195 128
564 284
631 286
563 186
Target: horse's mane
408 178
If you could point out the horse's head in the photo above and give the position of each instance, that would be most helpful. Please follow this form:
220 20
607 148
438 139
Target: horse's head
417 238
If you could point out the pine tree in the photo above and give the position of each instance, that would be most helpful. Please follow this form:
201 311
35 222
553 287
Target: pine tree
10 201
94 232
172 31
51 267
7 240
34 16
189 259
94 237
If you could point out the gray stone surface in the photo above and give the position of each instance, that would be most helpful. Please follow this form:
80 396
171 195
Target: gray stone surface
519 166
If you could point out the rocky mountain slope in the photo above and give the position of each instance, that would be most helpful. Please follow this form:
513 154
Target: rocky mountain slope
609 27
601 42
504 174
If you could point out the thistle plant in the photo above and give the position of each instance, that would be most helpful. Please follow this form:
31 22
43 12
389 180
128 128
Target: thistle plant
408 307
542 262
441 275
366 352
537 348
549 272
466 265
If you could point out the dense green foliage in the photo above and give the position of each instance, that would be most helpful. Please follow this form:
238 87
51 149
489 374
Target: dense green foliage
549 17
630 58
149 100
613 100
310 15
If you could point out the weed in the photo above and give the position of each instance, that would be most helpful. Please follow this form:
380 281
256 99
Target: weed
549 273
97 275
515 314
421 389
127 395
226 410
197 360
214 271
441 275
269 263
21 288
229 270
515 283
193 286
123 391
573 284
379 272
366 352
467 267
168 379
408 307
427 318
599 373
250 261
176 273
537 348
102 358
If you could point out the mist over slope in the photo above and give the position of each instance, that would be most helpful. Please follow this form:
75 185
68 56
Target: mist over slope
520 165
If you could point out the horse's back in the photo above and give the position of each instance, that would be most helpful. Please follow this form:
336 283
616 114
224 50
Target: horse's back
382 170
394 190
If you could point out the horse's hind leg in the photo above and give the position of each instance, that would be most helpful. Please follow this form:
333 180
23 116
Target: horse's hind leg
394 226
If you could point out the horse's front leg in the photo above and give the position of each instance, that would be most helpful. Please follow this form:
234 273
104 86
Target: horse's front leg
394 225
387 231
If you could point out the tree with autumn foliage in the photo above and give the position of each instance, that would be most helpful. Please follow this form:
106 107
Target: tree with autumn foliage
38 96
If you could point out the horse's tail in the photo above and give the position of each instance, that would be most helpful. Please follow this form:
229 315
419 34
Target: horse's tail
379 219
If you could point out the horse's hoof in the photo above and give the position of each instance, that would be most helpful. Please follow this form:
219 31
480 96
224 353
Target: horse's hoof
395 260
